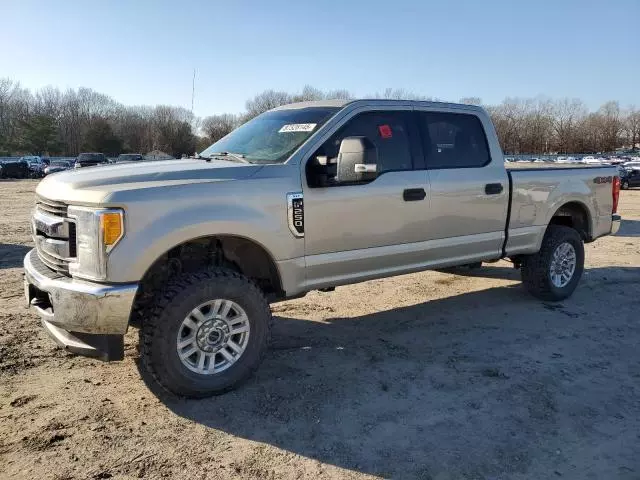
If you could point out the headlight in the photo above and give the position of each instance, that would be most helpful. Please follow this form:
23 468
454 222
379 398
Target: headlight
98 230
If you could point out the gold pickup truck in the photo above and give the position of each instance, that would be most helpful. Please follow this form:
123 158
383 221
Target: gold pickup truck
305 196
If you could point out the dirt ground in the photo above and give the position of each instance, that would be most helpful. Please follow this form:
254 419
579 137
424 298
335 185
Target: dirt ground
430 376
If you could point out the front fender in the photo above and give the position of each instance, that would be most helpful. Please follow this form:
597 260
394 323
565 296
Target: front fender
140 248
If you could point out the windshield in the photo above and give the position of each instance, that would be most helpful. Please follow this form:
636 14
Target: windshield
273 136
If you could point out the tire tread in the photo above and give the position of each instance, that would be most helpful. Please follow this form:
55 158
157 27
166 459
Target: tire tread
535 267
163 301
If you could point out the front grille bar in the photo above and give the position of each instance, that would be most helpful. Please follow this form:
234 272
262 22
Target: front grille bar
54 234
51 206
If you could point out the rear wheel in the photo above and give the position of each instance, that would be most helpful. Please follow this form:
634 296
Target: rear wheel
207 334
554 272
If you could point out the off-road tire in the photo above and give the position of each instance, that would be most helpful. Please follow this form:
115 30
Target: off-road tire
535 269
160 328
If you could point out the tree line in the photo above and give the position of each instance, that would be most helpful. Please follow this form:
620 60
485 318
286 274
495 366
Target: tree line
67 122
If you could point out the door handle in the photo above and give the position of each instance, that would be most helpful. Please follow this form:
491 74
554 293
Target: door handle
493 188
413 194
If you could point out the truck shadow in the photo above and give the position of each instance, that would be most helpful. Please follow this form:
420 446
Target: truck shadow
409 392
12 255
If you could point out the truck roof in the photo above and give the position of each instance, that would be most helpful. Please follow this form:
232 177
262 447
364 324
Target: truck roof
313 103
339 103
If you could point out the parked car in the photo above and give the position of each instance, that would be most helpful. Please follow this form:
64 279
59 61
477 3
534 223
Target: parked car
90 160
631 164
591 160
57 166
15 169
630 177
129 157
303 197
36 165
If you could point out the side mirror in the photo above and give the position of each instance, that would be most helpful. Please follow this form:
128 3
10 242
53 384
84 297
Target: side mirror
357 160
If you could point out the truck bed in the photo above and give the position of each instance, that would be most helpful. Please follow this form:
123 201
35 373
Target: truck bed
538 193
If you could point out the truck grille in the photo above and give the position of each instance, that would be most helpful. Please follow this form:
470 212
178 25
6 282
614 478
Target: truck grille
54 234
53 207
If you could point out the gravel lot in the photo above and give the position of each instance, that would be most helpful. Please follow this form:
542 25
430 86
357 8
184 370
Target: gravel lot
430 376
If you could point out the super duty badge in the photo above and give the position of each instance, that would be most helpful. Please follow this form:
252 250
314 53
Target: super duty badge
601 180
295 213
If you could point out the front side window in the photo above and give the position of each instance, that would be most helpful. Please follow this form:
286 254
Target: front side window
273 136
386 130
453 140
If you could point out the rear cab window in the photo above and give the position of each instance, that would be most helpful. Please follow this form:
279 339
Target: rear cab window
453 140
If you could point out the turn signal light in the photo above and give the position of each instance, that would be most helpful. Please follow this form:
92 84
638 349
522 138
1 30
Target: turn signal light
111 223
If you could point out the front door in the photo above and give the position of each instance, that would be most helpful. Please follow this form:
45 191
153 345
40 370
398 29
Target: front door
355 232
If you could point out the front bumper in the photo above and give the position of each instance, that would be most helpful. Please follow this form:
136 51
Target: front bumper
616 220
85 317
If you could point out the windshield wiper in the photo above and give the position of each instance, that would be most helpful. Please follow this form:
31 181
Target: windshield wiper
238 157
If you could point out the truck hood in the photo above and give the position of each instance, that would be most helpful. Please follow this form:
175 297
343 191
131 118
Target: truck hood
92 185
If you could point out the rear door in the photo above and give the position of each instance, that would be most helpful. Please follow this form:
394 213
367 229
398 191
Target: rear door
469 186
353 232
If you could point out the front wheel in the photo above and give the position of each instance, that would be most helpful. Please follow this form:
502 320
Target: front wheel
554 272
625 185
207 333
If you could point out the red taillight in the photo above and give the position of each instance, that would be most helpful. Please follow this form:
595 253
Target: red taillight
615 190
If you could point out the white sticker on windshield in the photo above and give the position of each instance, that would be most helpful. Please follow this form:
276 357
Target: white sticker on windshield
297 127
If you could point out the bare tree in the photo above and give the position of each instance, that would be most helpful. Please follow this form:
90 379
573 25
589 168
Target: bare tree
217 126
399 94
308 94
632 126
471 100
537 125
567 116
508 119
611 125
533 125
338 95
265 101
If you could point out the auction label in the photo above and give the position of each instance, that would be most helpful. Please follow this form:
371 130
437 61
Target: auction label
297 127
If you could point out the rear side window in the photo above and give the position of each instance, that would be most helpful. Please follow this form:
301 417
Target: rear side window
453 140
386 130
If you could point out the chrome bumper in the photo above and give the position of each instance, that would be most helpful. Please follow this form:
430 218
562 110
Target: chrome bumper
85 317
616 220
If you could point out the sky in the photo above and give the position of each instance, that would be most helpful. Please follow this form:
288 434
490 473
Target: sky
145 51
